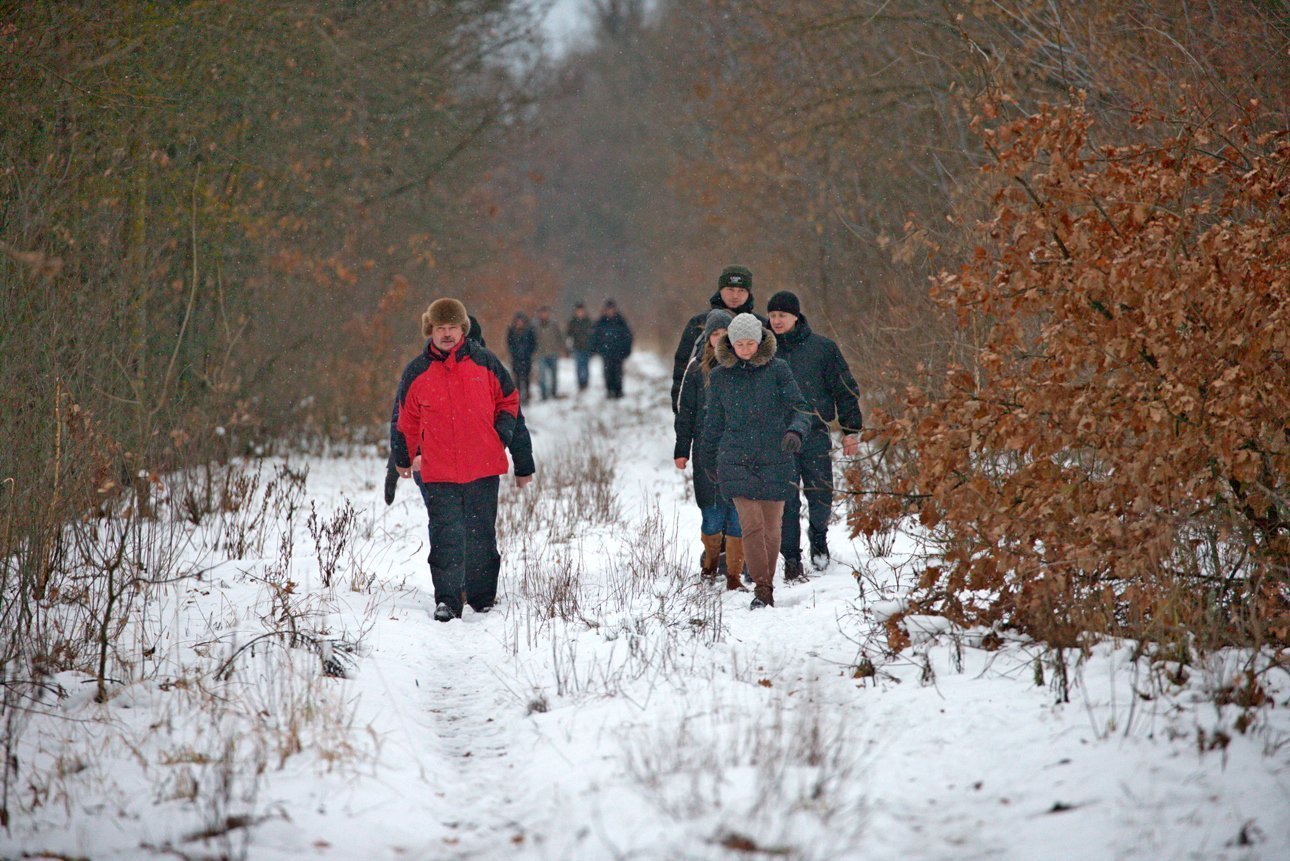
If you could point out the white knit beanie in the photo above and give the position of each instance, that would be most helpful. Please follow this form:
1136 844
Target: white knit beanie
744 327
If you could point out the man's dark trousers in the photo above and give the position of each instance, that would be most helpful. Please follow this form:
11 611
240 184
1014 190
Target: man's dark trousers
815 475
614 377
464 557
425 497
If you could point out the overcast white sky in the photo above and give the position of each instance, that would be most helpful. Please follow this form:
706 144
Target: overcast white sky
565 23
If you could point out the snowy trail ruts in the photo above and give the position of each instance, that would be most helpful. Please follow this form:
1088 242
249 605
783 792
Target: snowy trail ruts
481 797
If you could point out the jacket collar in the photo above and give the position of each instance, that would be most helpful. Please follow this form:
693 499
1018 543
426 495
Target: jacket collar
727 358
796 335
453 356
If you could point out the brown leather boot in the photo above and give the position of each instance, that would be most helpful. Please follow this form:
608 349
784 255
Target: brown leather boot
734 562
711 555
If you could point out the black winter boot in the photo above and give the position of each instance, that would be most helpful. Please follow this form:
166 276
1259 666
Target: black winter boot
793 572
819 556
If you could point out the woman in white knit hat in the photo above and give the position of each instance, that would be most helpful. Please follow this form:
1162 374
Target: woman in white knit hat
757 418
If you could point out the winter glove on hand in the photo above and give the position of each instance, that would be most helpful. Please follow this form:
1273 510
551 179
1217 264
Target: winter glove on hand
391 483
791 443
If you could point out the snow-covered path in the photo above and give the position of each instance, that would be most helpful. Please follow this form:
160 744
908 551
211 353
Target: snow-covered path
613 707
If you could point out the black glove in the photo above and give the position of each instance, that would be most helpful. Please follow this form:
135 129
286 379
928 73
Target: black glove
791 443
391 483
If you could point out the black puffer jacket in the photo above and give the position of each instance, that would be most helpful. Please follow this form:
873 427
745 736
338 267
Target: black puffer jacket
688 424
751 405
822 374
521 343
693 331
611 337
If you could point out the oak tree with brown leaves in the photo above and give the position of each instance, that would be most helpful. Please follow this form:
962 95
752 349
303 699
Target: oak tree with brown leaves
1117 456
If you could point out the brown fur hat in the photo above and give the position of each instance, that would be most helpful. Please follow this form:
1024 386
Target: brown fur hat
444 312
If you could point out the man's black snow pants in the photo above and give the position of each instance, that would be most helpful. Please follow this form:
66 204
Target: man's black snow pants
815 476
614 377
463 555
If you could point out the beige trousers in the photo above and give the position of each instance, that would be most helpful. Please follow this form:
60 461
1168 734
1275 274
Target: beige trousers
760 520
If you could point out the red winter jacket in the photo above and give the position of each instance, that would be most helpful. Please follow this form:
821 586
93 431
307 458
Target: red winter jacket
458 412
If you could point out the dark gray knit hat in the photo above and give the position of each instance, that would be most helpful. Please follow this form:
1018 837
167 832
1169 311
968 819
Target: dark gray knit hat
744 327
718 318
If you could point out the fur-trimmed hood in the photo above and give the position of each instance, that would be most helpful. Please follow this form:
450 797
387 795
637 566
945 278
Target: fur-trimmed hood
727 358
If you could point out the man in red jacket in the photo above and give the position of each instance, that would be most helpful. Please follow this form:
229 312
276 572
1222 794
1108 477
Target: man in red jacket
457 413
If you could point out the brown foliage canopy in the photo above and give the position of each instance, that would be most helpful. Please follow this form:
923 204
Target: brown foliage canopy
1118 455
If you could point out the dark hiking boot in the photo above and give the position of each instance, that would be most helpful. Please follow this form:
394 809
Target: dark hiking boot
820 557
793 572
763 596
443 613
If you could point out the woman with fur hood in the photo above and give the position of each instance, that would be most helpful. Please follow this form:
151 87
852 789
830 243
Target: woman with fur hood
756 420
720 519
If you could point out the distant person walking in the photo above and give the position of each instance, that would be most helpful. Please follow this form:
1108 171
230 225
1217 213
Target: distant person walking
756 420
734 294
720 517
458 411
521 343
826 382
550 344
612 339
578 331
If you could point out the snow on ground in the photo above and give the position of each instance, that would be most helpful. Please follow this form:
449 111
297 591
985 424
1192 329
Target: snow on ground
610 706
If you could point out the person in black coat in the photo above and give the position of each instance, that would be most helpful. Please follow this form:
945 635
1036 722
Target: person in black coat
612 339
756 420
720 517
734 294
521 343
826 381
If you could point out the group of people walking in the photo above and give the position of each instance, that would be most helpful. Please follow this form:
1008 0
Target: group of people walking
753 399
609 337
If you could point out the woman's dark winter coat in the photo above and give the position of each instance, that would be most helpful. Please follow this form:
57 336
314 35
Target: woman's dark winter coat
823 376
693 331
692 407
521 343
612 338
751 405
